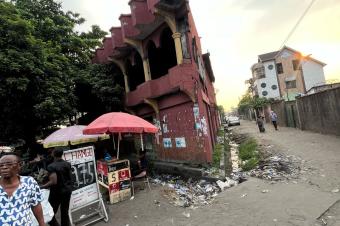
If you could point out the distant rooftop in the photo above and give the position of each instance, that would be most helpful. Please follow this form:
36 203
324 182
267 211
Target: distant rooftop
271 56
268 56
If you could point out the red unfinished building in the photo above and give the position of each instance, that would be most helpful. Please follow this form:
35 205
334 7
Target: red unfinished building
167 78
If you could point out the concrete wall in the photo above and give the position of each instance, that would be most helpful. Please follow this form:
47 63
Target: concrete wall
179 122
292 115
279 108
287 113
320 112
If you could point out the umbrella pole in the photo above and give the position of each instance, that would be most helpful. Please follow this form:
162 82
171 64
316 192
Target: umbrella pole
118 147
141 141
113 140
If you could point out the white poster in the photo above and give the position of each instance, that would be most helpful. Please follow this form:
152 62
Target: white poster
165 128
167 143
83 196
180 142
85 188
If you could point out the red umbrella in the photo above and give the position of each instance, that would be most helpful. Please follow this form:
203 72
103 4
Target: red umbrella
119 122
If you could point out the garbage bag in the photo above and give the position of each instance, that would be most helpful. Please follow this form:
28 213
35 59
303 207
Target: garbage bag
46 207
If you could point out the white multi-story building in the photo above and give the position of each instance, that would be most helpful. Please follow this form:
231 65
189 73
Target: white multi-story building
285 74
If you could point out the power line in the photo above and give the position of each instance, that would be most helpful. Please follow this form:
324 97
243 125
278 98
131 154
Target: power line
297 23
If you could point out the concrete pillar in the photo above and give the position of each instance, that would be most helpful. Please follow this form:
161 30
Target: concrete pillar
138 45
178 46
146 66
126 82
120 64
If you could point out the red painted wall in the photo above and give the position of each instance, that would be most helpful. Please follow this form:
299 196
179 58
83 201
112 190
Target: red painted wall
180 123
187 106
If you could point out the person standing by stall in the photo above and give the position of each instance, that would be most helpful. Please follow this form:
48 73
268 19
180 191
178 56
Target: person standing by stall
142 164
60 185
18 194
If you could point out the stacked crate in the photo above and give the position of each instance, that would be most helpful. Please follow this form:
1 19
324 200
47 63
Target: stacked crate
116 177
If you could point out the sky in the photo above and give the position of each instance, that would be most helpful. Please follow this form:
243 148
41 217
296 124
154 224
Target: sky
235 32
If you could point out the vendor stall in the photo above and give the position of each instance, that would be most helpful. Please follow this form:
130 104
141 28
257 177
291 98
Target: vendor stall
115 175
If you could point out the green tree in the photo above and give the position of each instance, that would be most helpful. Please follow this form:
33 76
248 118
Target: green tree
221 111
248 102
41 58
245 102
100 91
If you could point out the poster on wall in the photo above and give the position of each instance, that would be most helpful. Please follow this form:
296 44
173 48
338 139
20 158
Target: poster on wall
196 111
165 128
180 142
167 143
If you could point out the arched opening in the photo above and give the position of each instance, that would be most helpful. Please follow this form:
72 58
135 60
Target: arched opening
163 58
135 72
155 60
168 50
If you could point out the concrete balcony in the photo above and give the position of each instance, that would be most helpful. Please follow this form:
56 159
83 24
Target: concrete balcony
108 46
120 49
128 30
179 78
140 12
151 5
102 55
117 37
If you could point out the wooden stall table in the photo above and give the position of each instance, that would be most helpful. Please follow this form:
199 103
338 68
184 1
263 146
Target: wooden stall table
115 177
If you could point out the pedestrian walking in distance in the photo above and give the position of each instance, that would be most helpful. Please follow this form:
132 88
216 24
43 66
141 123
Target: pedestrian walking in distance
60 183
273 117
260 124
18 194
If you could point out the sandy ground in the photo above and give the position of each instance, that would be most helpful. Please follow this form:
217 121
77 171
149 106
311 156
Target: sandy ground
297 202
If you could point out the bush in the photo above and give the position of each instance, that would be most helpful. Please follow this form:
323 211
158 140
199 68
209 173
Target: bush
218 150
249 154
250 164
248 149
220 132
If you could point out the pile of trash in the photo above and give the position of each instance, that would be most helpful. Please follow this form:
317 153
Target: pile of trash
234 156
278 167
189 193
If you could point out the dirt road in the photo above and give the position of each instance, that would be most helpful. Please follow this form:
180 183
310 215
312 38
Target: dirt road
297 202
320 152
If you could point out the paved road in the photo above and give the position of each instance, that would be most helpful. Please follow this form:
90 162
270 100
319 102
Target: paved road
297 202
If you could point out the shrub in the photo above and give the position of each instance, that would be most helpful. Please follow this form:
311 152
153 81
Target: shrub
250 164
218 150
249 154
248 149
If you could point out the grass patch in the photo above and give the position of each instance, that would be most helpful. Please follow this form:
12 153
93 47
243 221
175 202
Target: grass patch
218 150
220 132
248 153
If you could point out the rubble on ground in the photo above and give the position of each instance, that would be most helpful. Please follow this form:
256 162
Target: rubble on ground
234 156
278 167
190 193
274 167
